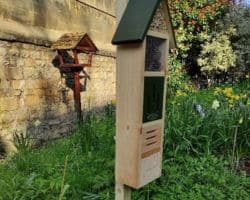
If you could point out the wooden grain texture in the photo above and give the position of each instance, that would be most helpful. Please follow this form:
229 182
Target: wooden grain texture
122 192
130 68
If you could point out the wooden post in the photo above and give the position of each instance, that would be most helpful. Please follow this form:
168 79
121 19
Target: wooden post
122 192
77 95
77 90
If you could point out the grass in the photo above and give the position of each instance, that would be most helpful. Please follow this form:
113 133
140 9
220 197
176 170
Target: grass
199 157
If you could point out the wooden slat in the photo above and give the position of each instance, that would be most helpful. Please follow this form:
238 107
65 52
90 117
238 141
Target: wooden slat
149 153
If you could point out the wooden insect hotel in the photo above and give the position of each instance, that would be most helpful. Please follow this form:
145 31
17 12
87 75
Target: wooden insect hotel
77 43
143 37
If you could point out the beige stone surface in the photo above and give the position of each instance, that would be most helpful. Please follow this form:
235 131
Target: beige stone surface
37 99
43 22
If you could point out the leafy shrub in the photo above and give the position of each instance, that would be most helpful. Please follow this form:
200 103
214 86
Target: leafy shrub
217 55
193 21
177 77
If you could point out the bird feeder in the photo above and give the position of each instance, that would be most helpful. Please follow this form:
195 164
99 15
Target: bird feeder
77 43
143 38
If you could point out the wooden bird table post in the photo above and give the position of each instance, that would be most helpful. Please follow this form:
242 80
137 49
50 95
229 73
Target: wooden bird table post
143 37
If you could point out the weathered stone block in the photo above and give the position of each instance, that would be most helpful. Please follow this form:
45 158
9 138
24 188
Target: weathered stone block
8 103
38 92
13 73
6 118
32 100
2 51
17 84
36 84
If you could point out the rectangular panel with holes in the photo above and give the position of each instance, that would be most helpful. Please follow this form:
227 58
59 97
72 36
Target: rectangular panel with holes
151 141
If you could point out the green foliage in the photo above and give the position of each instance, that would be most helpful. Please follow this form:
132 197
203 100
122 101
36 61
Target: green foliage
188 133
44 174
193 21
21 142
196 152
188 177
217 55
177 79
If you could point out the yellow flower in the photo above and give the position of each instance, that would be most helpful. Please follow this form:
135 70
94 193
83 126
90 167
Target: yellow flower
179 93
217 90
235 97
228 91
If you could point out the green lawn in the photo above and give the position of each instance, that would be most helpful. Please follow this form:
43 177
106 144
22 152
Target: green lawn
199 155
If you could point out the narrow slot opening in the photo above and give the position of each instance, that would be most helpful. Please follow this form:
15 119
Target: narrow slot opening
151 131
151 143
148 138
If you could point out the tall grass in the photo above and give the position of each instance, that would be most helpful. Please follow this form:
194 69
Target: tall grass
189 133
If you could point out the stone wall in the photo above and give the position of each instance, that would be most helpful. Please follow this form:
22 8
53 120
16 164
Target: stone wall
35 97
44 21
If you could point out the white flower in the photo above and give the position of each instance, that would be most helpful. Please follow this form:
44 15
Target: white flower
216 104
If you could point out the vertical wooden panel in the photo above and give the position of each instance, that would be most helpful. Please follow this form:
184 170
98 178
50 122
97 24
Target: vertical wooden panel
130 68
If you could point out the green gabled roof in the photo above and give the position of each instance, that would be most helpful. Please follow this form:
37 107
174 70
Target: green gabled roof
135 21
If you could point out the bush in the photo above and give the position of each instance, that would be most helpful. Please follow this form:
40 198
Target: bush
217 55
193 22
177 78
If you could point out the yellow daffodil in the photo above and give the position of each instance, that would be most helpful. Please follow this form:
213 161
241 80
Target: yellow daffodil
235 97
228 91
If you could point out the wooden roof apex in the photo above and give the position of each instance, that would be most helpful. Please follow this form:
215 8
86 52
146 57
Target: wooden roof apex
75 41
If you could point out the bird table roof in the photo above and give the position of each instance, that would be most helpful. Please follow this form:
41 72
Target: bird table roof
79 41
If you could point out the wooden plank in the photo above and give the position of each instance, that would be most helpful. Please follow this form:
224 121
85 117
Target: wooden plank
130 62
122 192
